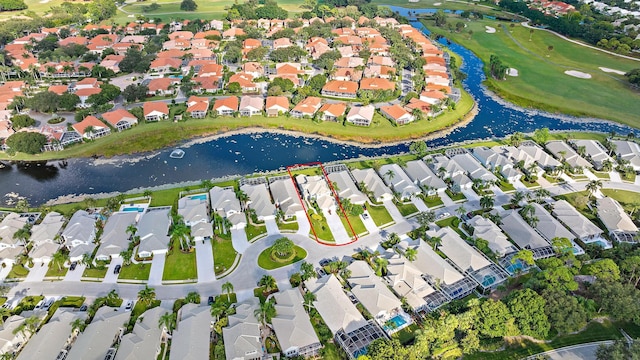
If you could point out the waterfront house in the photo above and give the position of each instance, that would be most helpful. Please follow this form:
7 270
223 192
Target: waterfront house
565 153
115 238
79 234
242 337
306 107
145 340
192 337
120 119
397 114
399 181
471 166
260 201
485 229
50 343
346 188
225 203
495 161
422 176
100 338
292 326
369 181
153 230
594 152
314 188
285 196
277 105
226 106
45 237
197 107
447 168
361 115
155 111
10 246
251 105
342 89
550 228
629 151
524 235
91 128
616 220
331 112
194 209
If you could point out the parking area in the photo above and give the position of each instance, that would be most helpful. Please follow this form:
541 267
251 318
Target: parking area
112 278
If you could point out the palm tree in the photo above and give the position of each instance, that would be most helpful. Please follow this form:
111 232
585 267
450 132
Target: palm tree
516 139
486 202
78 325
517 197
181 232
147 295
269 283
112 296
126 255
265 312
207 184
217 310
527 210
243 198
541 194
593 186
381 266
30 326
168 321
192 298
4 313
59 258
607 165
307 270
228 288
461 210
390 174
410 254
147 193
435 241
132 230
309 298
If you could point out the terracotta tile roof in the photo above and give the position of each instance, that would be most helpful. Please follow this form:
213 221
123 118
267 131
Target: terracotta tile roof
423 106
88 121
281 101
345 87
152 106
160 84
173 53
434 94
204 34
197 103
88 92
376 84
287 69
230 102
436 87
336 109
245 80
113 117
181 35
394 111
251 43
80 40
309 105
58 89
166 61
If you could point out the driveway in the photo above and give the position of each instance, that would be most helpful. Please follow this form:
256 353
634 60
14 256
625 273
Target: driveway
239 240
110 277
157 268
393 211
37 273
340 234
615 176
419 204
272 227
446 200
470 195
75 275
369 223
303 223
4 271
204 261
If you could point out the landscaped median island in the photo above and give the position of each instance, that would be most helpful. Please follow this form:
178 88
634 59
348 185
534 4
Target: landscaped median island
283 252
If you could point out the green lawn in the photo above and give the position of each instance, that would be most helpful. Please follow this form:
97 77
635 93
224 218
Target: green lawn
451 222
444 4
431 201
624 197
27 303
321 228
18 271
291 225
541 82
406 209
254 230
37 6
601 175
180 265
265 261
53 270
506 186
223 254
95 272
356 223
455 196
529 184
379 214
135 272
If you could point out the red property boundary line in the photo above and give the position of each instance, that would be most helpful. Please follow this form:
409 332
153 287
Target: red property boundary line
335 195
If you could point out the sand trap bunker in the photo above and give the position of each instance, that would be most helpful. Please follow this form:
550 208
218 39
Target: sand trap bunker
44 1
490 30
607 70
578 74
512 72
437 4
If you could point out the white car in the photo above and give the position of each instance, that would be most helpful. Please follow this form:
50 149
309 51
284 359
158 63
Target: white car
129 306
444 215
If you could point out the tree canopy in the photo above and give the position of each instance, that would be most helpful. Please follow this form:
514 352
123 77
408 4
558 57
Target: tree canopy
27 142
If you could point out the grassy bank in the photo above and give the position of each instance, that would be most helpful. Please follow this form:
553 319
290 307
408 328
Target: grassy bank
541 63
153 136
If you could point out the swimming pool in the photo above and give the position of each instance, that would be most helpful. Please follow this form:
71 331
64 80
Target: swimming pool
395 322
513 268
603 244
488 280
132 209
198 197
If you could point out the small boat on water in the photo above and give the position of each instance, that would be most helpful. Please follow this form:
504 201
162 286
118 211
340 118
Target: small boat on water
177 154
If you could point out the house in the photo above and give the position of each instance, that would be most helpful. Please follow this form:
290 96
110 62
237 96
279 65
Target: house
231 33
286 197
629 151
524 235
346 188
91 128
377 84
260 201
565 153
349 62
211 69
361 115
469 260
293 326
397 114
616 220
485 229
332 111
406 281
281 43
447 168
379 71
432 97
277 105
54 337
495 161
314 188
194 210
471 166
153 230
253 68
540 156
344 89
225 203
380 60
242 337
115 238
347 74
44 237
578 224
226 106
145 339
165 65
422 176
120 119
79 234
594 152
369 181
306 107
84 94
251 105
550 228
197 107
317 46
245 81
99 338
399 181
192 337
350 329
155 111
112 62
11 339
161 87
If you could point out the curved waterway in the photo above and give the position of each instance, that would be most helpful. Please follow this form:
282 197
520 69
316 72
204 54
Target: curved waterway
249 153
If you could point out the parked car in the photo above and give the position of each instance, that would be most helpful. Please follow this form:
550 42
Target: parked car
444 215
38 305
324 262
321 272
116 270
365 216
73 266
210 300
83 307
129 306
352 298
48 304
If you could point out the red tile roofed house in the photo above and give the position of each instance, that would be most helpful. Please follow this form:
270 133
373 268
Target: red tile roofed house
397 114
349 62
132 28
343 31
197 107
293 78
380 60
173 53
181 35
437 78
120 119
181 44
250 44
164 65
277 105
288 69
436 87
15 85
385 72
162 86
361 115
91 128
28 39
206 84
208 33
211 70
363 20
347 51
349 40
307 107
232 33
205 54
251 105
421 105
346 89
347 74
226 106
155 111
432 97
121 48
377 84
281 43
50 31
101 42
58 89
331 112
112 62
245 81
316 47
85 93
78 40
148 26
254 68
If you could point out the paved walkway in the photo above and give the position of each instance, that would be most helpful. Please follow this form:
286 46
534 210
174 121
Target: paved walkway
37 273
340 234
272 227
157 268
204 261
239 240
589 175
393 211
419 204
303 223
446 200
75 275
110 277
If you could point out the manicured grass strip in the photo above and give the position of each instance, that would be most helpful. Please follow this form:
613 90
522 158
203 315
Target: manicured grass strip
319 224
135 272
356 223
254 230
265 261
431 201
406 209
379 214
455 196
626 198
180 265
18 271
95 272
223 254
451 222
53 270
292 225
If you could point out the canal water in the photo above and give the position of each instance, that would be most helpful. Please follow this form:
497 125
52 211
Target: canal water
249 153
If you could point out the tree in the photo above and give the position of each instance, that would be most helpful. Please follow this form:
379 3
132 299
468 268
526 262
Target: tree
593 186
257 54
517 197
564 311
440 18
528 309
181 233
307 271
630 268
541 136
516 138
234 88
30 326
22 121
633 76
495 320
308 299
26 142
100 10
411 254
604 269
486 202
188 5
461 210
380 265
192 298
167 321
282 247
126 256
524 255
135 61
78 325
135 92
497 68
424 218
619 350
4 313
419 148
265 312
147 295
616 299
217 310
317 82
269 283
383 349
59 258
562 246
228 288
